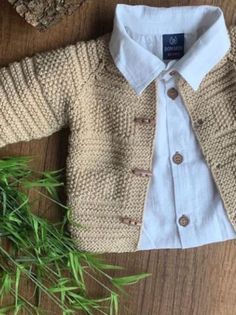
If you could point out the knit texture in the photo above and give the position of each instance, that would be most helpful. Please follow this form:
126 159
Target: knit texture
80 87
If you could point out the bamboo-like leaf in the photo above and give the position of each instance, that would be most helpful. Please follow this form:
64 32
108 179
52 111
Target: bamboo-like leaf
7 309
128 280
62 289
114 305
120 282
6 283
17 283
43 252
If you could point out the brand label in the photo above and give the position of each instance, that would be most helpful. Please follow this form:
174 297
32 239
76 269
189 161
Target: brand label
173 46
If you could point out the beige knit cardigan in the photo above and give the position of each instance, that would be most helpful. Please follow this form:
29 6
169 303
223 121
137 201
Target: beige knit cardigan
112 133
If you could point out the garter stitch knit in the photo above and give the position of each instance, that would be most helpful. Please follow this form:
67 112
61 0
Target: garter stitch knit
80 87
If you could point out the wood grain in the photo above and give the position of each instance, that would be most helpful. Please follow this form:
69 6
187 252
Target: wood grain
199 281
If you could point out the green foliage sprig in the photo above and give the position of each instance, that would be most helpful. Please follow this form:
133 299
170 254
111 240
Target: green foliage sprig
43 253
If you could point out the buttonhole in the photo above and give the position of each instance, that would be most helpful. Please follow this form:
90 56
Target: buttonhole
199 121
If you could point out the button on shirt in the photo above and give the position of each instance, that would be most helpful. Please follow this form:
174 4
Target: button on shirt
183 207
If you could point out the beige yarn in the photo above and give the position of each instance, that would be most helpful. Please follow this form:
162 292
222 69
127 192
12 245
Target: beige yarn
80 87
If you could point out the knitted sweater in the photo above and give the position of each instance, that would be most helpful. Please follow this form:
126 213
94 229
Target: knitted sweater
110 147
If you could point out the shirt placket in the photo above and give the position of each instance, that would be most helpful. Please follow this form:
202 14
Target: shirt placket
177 155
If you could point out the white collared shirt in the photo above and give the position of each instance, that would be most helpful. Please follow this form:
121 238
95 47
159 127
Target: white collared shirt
187 188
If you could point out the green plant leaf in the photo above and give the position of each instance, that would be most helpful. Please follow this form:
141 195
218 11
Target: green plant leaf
119 282
114 305
42 252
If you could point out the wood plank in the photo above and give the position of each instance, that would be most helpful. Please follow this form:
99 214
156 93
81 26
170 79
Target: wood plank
199 281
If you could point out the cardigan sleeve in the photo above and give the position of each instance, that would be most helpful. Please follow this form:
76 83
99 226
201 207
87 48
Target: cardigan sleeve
35 94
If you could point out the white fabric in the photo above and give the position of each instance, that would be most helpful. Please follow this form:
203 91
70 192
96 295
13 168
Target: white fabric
187 188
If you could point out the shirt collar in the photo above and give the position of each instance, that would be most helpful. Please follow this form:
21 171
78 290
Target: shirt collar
140 66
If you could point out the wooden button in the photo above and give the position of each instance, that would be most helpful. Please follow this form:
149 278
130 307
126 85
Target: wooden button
177 158
131 221
141 172
144 120
184 220
172 93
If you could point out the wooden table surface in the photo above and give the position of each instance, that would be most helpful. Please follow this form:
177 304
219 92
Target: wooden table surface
199 281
